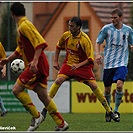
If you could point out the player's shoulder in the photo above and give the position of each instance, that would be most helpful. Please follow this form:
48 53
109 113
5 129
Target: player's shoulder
127 26
107 26
84 36
66 34
24 22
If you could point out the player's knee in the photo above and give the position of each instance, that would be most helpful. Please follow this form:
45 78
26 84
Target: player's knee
119 88
14 91
91 84
59 80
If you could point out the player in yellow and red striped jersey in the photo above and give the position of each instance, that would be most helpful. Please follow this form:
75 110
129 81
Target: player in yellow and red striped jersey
78 63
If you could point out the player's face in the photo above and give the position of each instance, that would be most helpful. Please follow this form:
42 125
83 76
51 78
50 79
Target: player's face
74 29
115 19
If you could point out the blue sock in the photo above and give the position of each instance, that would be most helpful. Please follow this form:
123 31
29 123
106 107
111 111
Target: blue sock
3 109
108 97
118 98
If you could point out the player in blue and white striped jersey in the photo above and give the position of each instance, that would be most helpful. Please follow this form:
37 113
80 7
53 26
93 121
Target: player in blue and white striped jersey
118 37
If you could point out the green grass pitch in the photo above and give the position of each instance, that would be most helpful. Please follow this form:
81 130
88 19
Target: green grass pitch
77 122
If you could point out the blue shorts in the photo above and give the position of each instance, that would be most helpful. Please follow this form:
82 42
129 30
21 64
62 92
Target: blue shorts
113 74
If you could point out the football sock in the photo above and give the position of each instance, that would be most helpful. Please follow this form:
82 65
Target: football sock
26 101
102 99
3 109
53 90
108 97
52 110
118 98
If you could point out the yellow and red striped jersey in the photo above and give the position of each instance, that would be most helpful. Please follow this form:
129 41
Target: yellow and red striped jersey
28 40
2 52
77 48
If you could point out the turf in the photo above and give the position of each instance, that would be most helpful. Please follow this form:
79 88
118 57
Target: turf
77 122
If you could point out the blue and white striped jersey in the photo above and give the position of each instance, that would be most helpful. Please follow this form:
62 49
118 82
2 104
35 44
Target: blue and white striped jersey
116 50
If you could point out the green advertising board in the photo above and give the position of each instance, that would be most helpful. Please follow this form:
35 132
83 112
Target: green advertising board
11 103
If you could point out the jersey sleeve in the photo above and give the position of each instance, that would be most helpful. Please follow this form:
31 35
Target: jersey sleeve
18 52
130 39
101 36
29 31
61 44
88 48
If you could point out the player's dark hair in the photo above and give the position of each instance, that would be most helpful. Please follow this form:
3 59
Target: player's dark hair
18 9
117 11
77 21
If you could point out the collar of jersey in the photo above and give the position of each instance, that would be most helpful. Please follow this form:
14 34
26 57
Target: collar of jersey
78 36
21 20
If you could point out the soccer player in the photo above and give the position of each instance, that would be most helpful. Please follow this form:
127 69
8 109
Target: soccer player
78 63
3 74
118 37
30 48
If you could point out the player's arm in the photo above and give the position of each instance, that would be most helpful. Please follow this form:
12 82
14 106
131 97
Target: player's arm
56 57
59 46
130 39
100 39
98 55
34 62
131 47
6 60
3 71
83 63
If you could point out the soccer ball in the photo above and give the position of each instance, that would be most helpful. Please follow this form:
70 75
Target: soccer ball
17 66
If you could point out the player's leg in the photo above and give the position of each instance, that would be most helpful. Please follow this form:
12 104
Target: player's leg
108 80
3 109
118 97
61 77
107 94
55 86
89 80
53 90
119 78
99 94
118 94
51 108
27 103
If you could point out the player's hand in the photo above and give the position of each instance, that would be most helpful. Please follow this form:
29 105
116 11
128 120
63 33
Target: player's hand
56 65
99 59
3 72
131 48
33 66
74 66
3 62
